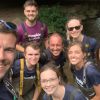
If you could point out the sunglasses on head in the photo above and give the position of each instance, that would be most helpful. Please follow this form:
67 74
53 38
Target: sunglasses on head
8 25
72 28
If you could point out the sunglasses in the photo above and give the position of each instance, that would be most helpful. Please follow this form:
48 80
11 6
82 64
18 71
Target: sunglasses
8 25
76 27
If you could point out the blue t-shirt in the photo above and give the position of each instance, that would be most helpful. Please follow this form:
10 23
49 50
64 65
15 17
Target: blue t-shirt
90 45
91 71
71 93
47 56
4 93
27 73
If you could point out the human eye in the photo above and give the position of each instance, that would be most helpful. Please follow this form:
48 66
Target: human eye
77 52
10 50
43 81
70 52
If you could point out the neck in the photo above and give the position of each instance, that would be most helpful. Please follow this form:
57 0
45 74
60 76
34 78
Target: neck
30 67
79 38
30 23
80 65
59 95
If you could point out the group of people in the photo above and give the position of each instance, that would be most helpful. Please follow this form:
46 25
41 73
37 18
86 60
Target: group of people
33 65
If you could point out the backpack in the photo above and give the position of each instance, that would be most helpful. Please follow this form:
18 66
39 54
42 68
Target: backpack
26 38
21 85
88 92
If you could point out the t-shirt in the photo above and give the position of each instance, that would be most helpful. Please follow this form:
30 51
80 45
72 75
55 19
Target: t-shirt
91 71
92 78
27 73
90 45
47 56
71 93
30 77
35 33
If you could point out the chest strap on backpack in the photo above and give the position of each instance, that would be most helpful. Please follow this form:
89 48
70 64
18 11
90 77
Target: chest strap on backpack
21 76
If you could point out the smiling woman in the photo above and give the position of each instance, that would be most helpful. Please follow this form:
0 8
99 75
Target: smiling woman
54 88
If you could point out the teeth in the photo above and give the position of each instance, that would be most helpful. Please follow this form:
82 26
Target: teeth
73 59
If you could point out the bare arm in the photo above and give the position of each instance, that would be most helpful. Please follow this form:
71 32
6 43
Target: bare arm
19 48
97 91
36 93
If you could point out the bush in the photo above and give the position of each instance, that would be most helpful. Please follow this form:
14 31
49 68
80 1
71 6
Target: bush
54 17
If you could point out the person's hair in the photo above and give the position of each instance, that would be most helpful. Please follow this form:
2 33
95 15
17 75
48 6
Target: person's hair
77 43
73 17
32 44
31 3
54 34
97 55
8 28
51 66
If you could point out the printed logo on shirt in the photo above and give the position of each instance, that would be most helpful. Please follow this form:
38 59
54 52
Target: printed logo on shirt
79 82
33 37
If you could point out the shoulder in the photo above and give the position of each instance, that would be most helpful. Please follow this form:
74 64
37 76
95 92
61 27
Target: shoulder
92 71
75 93
90 39
16 65
45 96
42 25
20 27
90 68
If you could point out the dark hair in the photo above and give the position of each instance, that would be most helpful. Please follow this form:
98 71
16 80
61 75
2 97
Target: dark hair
32 44
31 3
50 65
8 28
77 43
74 17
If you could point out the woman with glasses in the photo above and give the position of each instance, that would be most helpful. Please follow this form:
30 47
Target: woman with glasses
86 76
53 86
74 28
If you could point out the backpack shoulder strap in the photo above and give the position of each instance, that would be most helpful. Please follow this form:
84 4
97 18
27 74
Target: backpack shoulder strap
84 71
21 76
24 29
38 76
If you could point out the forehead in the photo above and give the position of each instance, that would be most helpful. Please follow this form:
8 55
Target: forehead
55 39
73 22
7 39
75 47
48 74
30 7
33 50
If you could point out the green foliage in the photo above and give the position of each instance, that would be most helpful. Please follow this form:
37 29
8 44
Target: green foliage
54 17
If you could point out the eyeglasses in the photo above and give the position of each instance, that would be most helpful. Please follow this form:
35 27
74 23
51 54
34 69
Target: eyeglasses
8 25
44 81
72 28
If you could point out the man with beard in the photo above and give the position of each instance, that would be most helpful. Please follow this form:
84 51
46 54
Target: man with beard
8 38
32 29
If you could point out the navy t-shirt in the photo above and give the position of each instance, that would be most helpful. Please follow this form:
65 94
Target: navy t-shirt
4 93
70 93
27 73
92 76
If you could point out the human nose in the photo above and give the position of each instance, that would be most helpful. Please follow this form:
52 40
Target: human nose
55 47
48 83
